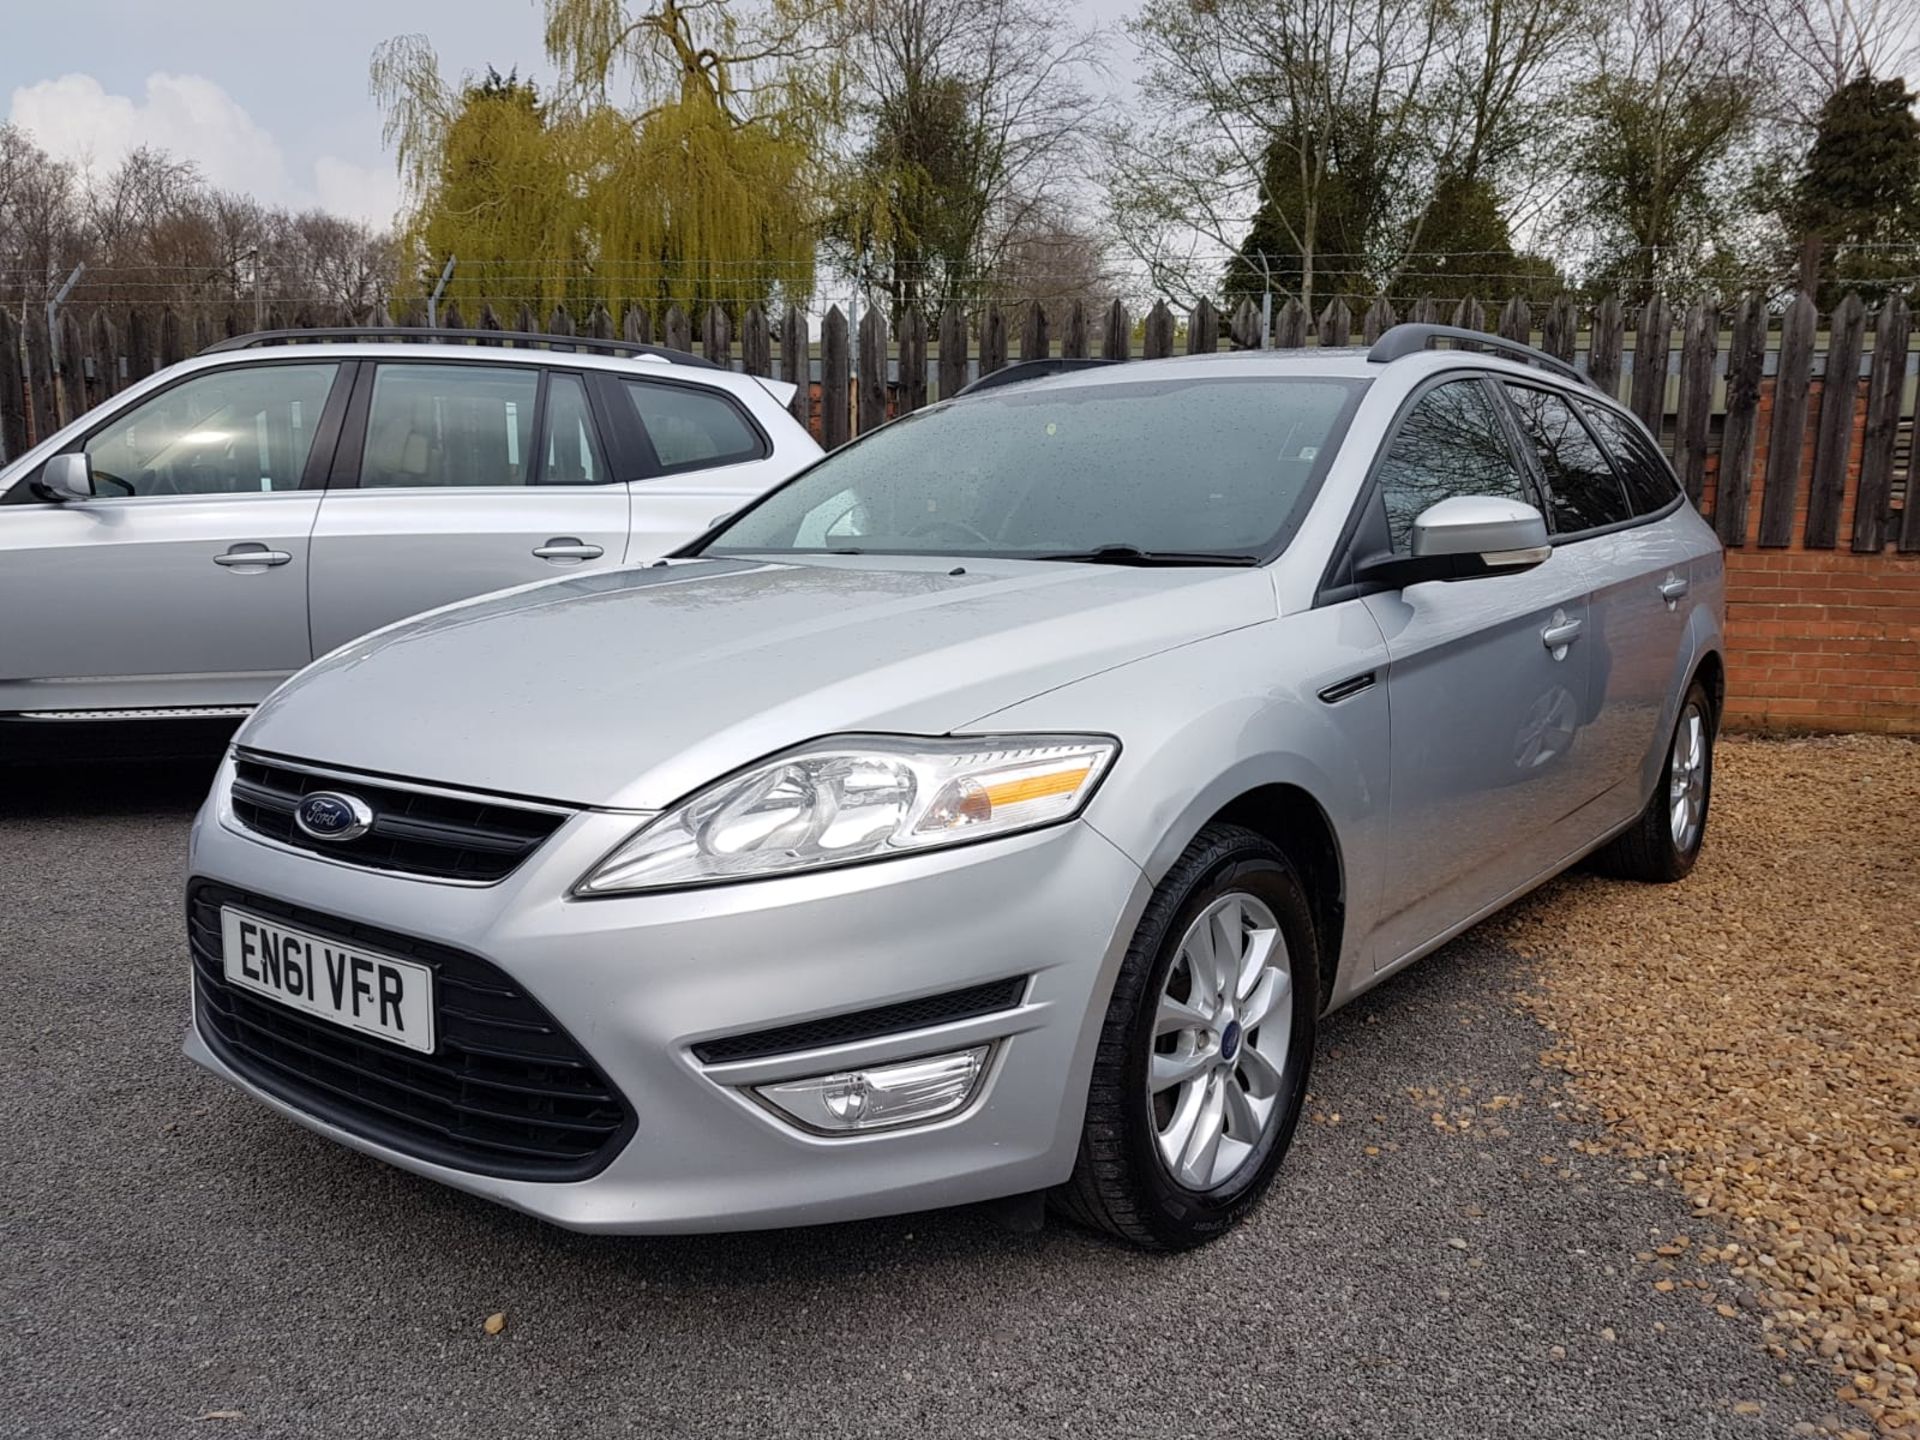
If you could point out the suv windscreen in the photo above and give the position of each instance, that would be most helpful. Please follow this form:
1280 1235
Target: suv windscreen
1204 467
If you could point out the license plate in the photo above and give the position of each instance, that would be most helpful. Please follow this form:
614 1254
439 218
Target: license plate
360 989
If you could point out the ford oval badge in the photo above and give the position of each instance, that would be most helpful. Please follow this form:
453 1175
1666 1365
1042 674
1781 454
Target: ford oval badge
329 815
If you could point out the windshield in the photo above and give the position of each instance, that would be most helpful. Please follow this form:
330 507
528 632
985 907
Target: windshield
1185 468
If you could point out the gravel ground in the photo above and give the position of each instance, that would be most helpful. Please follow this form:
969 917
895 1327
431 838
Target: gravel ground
1758 1030
1439 1258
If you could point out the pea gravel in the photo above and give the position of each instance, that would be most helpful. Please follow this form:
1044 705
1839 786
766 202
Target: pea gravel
1757 1032
1440 1257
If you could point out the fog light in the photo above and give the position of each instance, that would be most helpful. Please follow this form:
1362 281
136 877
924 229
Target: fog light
881 1096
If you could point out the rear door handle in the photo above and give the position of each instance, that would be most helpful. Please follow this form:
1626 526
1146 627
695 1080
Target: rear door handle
1560 634
1672 588
565 547
252 554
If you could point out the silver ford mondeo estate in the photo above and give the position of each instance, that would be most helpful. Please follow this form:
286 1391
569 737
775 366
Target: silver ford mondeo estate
991 811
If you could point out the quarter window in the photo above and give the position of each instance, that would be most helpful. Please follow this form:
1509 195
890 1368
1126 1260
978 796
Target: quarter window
693 429
1451 443
450 425
232 431
1649 480
572 458
1582 489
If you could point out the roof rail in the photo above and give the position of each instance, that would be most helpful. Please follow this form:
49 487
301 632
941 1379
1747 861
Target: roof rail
1022 370
519 339
1404 340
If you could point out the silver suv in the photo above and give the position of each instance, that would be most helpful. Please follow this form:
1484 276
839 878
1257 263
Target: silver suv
184 548
993 809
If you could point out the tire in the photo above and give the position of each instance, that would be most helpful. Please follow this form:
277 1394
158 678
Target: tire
1659 848
1123 1180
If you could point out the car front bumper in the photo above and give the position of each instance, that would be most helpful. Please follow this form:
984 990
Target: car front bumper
639 980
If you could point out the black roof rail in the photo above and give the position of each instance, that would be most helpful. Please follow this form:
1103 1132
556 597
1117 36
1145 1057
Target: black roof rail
1022 370
519 339
1404 340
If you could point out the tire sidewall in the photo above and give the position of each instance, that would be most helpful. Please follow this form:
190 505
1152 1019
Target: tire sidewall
1189 1217
1697 697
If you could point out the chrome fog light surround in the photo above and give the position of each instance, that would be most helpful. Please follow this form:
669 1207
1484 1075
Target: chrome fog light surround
880 1097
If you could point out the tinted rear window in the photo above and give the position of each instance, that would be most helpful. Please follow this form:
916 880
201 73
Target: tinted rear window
1582 490
1649 480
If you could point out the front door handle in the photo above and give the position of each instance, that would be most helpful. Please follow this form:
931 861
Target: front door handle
250 553
566 547
1561 633
1672 588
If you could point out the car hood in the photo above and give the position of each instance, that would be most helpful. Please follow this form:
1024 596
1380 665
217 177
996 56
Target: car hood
630 688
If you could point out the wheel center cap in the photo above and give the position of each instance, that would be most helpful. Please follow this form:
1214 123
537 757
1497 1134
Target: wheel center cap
1230 1040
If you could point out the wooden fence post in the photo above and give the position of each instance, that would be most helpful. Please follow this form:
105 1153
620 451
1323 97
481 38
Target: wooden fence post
1470 314
796 363
913 359
1652 338
106 349
717 336
1379 319
560 322
600 321
1746 365
1203 329
756 346
1426 311
1157 343
13 392
40 411
1245 328
452 318
1073 343
72 394
637 324
1884 389
833 378
1560 330
1036 343
523 320
1833 443
679 330
953 351
1603 353
1694 420
873 370
1786 440
1290 326
993 339
489 318
1117 343
1336 324
172 345
1516 321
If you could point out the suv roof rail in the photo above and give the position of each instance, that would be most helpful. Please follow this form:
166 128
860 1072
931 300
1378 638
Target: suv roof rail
518 339
1022 370
1404 340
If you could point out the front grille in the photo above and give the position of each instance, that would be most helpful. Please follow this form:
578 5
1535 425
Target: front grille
416 832
919 1014
506 1091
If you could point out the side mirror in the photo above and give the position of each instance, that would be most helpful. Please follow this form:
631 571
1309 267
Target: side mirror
1465 536
67 477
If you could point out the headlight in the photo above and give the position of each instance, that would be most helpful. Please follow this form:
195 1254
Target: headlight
857 798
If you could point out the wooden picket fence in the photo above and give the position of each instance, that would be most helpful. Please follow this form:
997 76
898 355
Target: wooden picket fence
1754 399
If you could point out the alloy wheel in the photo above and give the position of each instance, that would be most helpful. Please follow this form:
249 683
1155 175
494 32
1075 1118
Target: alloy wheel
1687 779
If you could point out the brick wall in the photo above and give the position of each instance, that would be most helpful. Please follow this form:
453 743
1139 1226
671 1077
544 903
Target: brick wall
1824 640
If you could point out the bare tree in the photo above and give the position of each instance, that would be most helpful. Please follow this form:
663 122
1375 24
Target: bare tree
1826 43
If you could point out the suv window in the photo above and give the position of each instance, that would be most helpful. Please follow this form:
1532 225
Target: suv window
572 458
1451 443
1583 492
693 429
232 431
1649 479
464 425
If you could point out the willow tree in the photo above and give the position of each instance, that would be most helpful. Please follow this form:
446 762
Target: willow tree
696 185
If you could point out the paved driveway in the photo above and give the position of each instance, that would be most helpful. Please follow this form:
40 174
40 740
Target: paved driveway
169 1250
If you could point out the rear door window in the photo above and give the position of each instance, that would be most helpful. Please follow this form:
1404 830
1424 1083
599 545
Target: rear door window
1649 479
693 429
465 426
1450 443
1583 492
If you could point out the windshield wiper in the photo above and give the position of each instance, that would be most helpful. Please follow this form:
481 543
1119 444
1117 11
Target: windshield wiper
1134 555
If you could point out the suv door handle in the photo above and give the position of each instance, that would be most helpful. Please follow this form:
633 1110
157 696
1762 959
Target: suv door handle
565 547
1560 634
1672 588
250 553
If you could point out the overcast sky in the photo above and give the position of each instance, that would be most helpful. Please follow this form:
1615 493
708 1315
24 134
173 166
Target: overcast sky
265 96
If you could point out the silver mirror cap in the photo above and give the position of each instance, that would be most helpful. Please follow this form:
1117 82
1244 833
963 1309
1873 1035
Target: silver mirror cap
67 477
1504 534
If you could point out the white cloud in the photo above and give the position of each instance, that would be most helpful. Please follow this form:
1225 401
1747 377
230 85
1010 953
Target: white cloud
75 119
